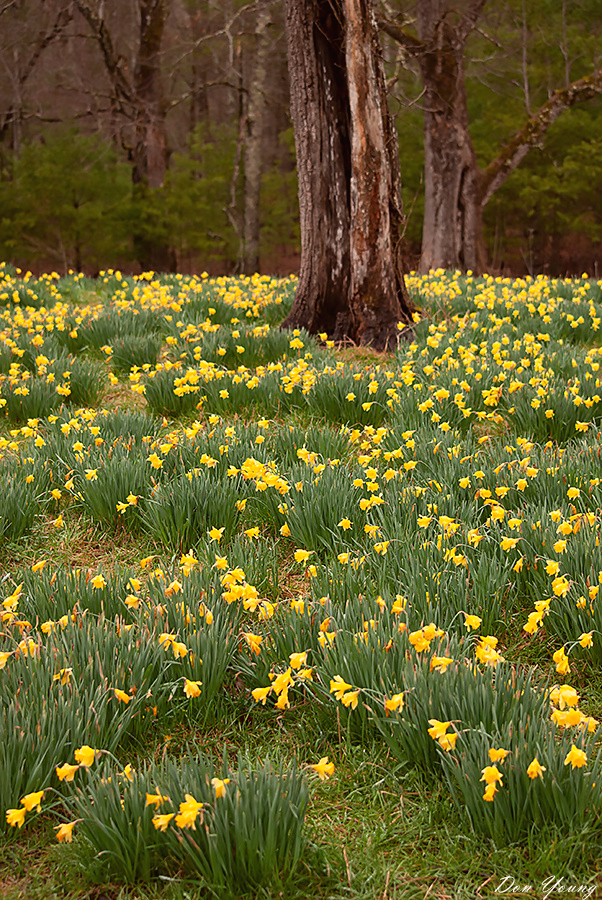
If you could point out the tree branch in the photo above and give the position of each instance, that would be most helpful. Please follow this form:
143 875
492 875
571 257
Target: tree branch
411 44
113 63
532 132
470 18
44 39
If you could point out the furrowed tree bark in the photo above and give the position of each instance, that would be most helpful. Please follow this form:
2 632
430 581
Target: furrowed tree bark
351 281
452 236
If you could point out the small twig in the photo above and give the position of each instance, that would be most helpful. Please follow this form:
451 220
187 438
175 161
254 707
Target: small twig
386 884
347 867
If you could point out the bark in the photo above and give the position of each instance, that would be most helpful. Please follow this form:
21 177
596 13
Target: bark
452 235
253 144
149 155
350 282
150 150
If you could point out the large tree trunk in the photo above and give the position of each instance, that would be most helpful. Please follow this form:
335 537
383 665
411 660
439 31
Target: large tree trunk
452 236
351 281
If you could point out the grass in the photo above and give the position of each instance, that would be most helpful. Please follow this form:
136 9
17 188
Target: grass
377 831
379 828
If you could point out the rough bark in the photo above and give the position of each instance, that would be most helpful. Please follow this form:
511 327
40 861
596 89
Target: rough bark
350 282
150 150
452 236
253 160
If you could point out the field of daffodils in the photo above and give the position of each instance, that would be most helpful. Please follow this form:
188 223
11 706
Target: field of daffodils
240 566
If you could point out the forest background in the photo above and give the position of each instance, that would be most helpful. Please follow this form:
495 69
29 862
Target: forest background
156 134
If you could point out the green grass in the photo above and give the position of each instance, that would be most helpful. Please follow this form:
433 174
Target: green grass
379 828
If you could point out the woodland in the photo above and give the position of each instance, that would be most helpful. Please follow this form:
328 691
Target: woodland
157 134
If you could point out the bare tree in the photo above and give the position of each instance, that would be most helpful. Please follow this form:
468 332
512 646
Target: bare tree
138 98
351 280
24 53
253 159
456 189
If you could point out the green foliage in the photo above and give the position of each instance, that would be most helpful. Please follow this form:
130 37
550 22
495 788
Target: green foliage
181 512
69 196
135 350
17 503
248 836
198 193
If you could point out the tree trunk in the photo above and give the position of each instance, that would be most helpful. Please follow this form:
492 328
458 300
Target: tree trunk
253 144
149 156
140 100
150 150
456 190
452 236
351 282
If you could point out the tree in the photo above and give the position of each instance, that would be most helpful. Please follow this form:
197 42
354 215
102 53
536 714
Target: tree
456 188
67 202
351 282
138 98
30 33
253 142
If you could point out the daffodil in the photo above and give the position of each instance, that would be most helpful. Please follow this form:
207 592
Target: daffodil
16 817
350 699
219 786
338 687
535 769
394 703
32 801
64 832
260 694
155 799
192 688
437 728
302 555
323 768
298 659
162 821
498 755
491 775
66 772
490 792
189 810
85 756
576 757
